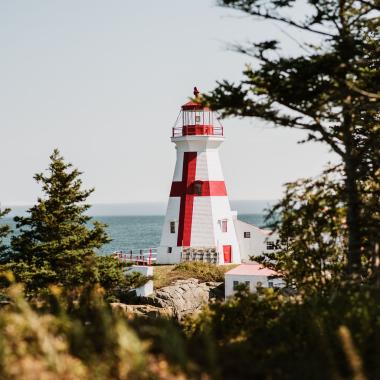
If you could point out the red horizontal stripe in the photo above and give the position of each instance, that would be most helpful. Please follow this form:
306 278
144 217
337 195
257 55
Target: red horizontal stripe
208 189
214 189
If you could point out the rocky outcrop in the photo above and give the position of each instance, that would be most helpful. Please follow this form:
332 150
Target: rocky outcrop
184 296
174 301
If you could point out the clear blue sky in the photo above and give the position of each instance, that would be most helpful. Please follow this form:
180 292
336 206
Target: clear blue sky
103 81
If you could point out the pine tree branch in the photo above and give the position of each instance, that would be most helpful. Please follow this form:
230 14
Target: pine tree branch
327 137
363 92
316 127
375 5
265 14
359 16
268 16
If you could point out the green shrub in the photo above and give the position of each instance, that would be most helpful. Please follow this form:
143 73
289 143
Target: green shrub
263 336
84 340
202 271
165 275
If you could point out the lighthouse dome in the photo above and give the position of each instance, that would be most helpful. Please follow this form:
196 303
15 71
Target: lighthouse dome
193 106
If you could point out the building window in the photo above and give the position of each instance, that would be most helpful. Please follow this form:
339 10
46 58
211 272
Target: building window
270 284
170 249
237 283
271 245
247 235
259 284
223 225
172 227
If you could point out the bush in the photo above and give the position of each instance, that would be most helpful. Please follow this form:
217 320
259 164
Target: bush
202 271
266 335
165 275
84 341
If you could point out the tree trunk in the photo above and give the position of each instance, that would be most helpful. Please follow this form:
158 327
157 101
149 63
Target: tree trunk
353 217
352 192
350 157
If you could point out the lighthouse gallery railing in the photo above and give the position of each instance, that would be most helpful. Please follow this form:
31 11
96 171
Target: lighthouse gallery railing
197 130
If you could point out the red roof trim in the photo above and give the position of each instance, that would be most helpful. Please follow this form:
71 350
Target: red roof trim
193 106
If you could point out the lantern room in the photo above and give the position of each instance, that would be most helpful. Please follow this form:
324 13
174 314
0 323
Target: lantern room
196 120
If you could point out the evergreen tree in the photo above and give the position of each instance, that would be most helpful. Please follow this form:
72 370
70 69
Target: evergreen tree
4 232
331 90
55 244
311 222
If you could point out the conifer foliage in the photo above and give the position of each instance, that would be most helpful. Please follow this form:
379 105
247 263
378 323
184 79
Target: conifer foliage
56 244
4 231
329 89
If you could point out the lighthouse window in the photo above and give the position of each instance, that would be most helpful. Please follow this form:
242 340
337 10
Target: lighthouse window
224 225
172 227
170 249
247 235
197 187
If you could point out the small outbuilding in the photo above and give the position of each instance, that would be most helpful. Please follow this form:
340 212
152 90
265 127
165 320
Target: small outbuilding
253 276
147 271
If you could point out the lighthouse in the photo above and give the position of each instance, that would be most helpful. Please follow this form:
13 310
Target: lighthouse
199 224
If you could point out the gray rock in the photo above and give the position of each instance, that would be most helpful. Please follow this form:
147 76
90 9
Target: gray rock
174 301
183 297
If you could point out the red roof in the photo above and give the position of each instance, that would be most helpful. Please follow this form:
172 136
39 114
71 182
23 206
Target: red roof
252 270
193 106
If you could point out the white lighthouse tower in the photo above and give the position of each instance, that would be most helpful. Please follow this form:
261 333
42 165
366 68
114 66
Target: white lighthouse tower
199 222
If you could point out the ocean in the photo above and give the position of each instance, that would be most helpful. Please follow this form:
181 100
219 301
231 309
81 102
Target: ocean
140 232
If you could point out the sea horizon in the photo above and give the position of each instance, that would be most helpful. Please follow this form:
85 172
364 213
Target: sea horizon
147 208
139 225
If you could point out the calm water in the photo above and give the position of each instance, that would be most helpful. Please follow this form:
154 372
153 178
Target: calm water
136 232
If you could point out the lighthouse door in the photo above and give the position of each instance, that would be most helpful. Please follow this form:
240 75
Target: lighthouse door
227 254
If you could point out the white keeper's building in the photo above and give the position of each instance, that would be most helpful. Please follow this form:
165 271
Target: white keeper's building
254 241
253 276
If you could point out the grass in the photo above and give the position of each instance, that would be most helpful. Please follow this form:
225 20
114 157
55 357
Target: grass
165 275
